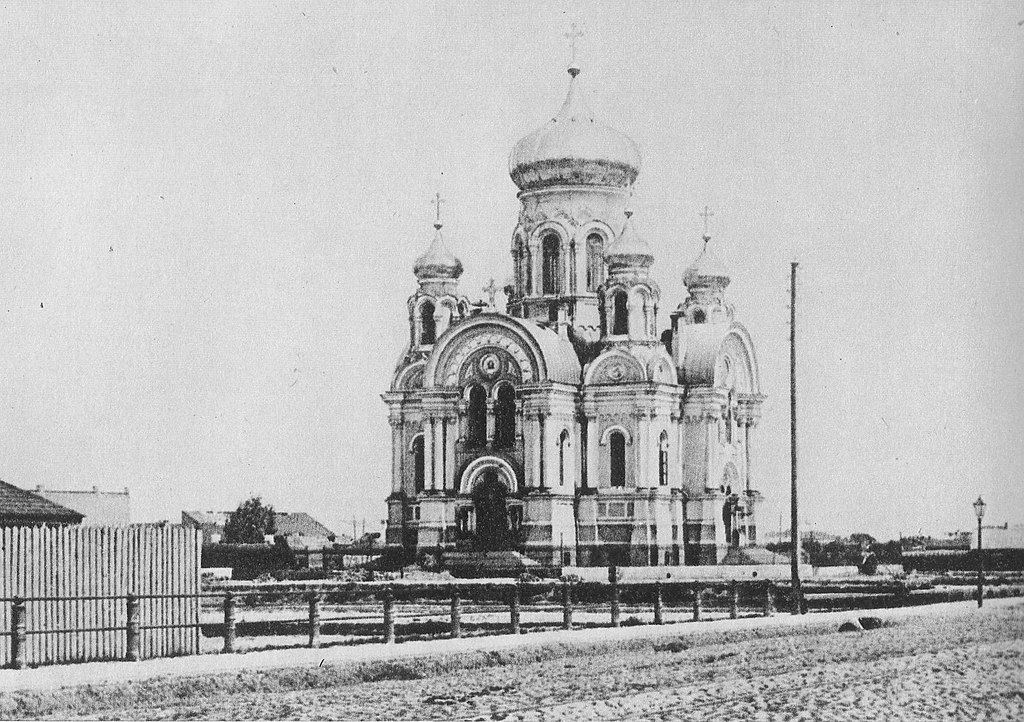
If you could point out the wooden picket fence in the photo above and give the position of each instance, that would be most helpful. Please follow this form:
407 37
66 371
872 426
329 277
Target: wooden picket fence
69 594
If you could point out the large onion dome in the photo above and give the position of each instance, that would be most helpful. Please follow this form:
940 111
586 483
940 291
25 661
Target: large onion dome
628 249
574 149
438 261
706 271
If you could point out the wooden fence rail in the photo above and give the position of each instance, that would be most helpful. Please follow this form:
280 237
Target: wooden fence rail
65 593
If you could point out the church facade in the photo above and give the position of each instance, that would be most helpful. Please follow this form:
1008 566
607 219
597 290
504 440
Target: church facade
573 428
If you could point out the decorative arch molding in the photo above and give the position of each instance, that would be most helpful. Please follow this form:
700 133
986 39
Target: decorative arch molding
601 228
611 430
412 441
736 357
615 367
550 226
528 347
496 389
475 469
410 377
661 370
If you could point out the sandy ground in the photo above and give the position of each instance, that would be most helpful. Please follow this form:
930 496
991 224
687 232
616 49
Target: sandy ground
951 665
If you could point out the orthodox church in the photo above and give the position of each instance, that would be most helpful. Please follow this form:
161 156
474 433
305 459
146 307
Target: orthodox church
572 429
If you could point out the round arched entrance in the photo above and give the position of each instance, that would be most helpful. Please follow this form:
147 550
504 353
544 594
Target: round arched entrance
489 481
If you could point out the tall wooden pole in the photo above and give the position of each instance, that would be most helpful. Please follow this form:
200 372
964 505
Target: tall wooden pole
794 517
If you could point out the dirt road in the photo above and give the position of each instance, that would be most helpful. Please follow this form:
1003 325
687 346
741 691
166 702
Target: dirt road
960 667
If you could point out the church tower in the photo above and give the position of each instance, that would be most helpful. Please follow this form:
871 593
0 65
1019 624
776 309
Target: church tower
436 304
575 176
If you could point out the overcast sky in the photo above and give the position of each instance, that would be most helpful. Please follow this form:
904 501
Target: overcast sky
209 215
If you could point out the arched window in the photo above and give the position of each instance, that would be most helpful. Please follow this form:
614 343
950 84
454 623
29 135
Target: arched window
527 272
563 456
617 449
663 459
550 248
427 328
595 261
477 417
620 314
420 471
505 417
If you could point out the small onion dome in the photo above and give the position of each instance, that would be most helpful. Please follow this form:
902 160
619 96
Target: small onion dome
707 271
629 249
574 149
438 261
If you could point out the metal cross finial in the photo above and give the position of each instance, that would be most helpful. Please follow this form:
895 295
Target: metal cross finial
706 215
438 200
491 290
573 34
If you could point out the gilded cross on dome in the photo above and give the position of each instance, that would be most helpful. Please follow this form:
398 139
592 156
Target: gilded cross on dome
706 215
438 200
491 290
572 36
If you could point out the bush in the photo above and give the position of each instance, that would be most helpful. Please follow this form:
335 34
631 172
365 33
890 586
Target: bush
248 561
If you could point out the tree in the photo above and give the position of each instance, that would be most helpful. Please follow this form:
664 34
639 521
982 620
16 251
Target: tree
250 522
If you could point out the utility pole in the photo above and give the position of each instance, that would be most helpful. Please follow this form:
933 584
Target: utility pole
794 517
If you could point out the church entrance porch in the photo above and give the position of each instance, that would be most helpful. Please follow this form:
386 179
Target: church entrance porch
493 521
493 530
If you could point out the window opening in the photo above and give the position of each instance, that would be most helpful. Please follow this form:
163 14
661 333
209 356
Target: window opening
428 329
505 417
550 251
617 448
620 315
477 417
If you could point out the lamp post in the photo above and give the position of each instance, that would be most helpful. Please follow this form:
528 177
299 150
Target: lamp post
979 511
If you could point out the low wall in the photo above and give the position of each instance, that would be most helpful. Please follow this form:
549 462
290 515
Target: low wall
682 573
852 571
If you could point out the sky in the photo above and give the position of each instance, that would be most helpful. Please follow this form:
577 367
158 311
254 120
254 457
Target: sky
209 214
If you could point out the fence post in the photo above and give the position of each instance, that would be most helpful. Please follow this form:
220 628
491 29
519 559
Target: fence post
566 605
513 607
229 622
18 636
698 603
615 611
314 619
734 600
456 613
388 598
767 612
659 609
133 643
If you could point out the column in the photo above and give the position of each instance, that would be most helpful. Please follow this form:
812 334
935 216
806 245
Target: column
536 267
747 425
592 451
640 445
542 451
428 454
438 454
490 421
449 455
397 454
679 472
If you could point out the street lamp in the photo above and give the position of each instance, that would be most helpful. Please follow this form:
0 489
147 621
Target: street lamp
979 511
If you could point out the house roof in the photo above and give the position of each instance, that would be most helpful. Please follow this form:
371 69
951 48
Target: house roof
287 523
19 505
207 518
299 523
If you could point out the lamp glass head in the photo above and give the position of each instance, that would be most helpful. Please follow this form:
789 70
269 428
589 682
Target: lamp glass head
979 508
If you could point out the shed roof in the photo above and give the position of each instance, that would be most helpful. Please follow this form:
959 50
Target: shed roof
21 506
